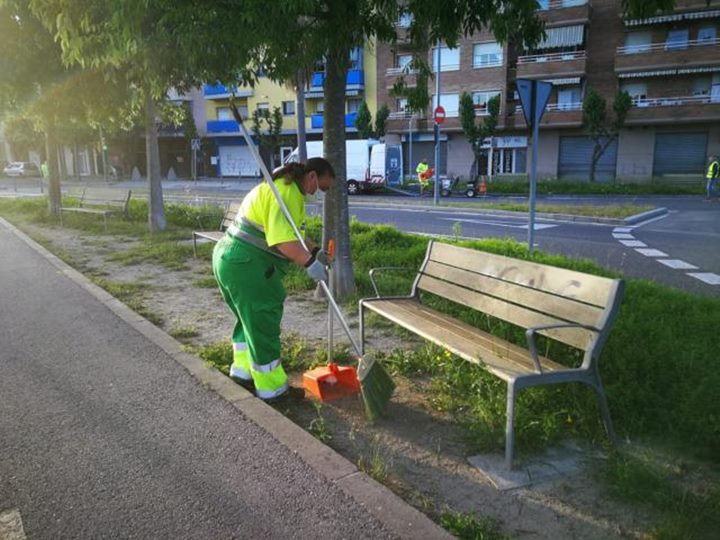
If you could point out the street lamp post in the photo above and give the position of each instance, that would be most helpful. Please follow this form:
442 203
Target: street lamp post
436 191
410 137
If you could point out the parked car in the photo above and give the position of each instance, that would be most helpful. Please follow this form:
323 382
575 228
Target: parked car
21 168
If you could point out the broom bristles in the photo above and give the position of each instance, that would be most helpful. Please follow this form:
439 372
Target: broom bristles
376 387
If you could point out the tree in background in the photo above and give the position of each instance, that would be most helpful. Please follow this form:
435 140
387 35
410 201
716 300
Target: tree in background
381 120
363 121
271 138
599 127
476 132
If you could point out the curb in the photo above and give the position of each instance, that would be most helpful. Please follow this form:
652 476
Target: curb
399 517
568 218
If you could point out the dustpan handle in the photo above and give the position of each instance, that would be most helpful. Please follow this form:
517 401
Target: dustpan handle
268 178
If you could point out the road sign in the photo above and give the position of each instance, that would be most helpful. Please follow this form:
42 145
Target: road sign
534 96
439 114
195 144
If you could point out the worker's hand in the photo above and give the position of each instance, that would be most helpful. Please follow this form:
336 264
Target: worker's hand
321 255
316 270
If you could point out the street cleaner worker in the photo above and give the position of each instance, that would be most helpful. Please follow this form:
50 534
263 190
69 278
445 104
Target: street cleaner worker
712 176
249 263
422 174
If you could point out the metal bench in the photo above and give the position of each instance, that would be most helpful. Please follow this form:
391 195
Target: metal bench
570 307
227 220
100 201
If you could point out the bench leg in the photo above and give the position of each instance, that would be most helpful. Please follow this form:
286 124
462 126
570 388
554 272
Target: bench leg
604 409
194 246
361 309
509 426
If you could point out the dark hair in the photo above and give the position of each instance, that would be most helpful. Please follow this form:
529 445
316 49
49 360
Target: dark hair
295 172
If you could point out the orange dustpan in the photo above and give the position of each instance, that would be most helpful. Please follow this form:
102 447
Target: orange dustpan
331 382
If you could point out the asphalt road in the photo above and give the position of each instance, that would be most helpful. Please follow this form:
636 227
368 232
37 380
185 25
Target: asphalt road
103 435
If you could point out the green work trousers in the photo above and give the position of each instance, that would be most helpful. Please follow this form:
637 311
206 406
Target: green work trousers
250 280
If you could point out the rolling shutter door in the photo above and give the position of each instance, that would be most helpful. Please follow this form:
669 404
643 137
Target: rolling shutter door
679 153
576 157
236 161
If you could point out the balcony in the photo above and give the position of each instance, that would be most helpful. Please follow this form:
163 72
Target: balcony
694 53
685 10
543 66
316 120
223 126
354 84
674 109
564 11
218 91
556 115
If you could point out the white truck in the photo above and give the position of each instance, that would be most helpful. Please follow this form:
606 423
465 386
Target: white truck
369 164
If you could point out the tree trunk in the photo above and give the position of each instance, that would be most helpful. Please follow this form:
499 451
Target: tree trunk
336 218
76 161
300 115
156 210
53 172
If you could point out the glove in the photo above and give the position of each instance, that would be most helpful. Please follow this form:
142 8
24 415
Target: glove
316 270
321 255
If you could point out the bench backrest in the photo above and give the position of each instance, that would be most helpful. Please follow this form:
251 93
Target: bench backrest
524 293
106 197
229 216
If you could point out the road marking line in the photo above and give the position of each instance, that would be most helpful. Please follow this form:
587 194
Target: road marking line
651 220
538 226
706 277
650 252
11 527
677 264
622 229
625 236
633 243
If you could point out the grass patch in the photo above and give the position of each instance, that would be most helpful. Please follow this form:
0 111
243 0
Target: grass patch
374 464
319 426
159 249
683 510
218 355
471 527
552 187
205 283
184 332
615 211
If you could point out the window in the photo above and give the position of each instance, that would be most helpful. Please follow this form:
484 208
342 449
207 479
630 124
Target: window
715 88
401 104
677 39
707 34
543 4
223 113
638 93
405 20
480 100
320 107
701 86
288 108
356 58
637 42
449 102
449 59
487 55
353 105
263 106
569 98
402 61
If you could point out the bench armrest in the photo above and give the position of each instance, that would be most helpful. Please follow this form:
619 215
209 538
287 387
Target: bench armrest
384 268
530 335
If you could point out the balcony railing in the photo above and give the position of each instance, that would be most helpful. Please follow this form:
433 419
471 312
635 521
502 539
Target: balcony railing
355 78
222 126
394 71
219 91
665 46
676 101
317 122
561 107
553 57
560 4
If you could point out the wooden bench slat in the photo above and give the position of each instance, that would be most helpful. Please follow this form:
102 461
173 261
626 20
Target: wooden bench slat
557 306
209 235
506 311
590 289
503 359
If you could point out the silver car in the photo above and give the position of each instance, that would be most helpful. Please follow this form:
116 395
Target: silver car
21 168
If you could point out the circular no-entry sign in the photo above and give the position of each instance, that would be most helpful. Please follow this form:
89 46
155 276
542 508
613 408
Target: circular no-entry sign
439 114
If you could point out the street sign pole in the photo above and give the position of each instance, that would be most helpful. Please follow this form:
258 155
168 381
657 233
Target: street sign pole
436 191
534 97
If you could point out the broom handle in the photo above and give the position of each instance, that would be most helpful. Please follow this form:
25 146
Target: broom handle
283 208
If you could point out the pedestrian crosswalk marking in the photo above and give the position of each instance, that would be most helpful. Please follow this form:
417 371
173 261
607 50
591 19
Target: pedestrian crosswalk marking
677 264
706 277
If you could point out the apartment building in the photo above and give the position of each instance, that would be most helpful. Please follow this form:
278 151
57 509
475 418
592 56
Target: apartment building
230 155
669 64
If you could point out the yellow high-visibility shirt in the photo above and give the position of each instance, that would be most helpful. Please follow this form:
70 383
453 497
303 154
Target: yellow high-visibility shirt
421 168
261 209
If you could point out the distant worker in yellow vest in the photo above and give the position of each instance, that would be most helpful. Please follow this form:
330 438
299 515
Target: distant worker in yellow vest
422 174
249 264
711 176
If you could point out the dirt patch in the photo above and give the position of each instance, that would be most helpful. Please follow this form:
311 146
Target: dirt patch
416 451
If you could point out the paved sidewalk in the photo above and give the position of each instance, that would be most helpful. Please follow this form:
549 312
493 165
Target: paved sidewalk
107 429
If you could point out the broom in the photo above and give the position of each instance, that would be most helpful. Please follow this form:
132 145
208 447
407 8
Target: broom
376 386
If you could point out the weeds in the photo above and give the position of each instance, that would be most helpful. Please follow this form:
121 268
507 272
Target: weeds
470 527
205 283
218 355
184 332
374 464
319 427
